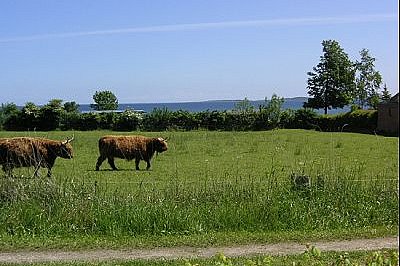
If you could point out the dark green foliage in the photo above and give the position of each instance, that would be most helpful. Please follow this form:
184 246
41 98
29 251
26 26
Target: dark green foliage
71 107
244 117
50 115
287 119
385 97
368 81
184 120
88 121
304 118
126 121
332 82
157 120
104 100
212 120
13 122
107 120
29 116
70 121
8 116
362 121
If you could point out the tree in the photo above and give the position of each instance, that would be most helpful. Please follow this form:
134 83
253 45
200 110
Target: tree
243 106
104 100
50 115
7 110
386 96
331 84
368 81
71 107
273 109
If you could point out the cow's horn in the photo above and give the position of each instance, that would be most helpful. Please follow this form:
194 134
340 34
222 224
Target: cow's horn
69 140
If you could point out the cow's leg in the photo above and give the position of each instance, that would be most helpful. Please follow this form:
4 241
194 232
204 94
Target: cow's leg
137 160
111 163
48 165
100 160
48 172
148 164
7 169
36 171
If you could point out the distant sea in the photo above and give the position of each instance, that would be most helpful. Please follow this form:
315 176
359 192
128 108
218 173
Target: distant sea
212 105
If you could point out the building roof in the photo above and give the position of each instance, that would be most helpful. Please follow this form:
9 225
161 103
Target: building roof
395 98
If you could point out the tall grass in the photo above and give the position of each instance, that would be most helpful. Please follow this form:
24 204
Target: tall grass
209 182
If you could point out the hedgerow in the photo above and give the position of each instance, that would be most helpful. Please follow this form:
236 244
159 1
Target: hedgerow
265 118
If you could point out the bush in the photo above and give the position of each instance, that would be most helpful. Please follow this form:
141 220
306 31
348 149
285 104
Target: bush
49 118
287 118
304 118
126 121
211 120
13 122
362 121
157 120
70 121
183 120
88 121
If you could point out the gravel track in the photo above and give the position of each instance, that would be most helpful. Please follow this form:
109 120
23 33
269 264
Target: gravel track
284 248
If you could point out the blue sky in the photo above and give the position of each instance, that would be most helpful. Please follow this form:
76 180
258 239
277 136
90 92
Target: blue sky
186 50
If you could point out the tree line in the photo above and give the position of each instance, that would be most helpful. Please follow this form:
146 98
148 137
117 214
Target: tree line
244 117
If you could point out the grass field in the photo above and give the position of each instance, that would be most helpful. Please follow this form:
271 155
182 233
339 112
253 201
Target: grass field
235 186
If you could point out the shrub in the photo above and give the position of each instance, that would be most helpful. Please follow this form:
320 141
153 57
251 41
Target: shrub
211 120
287 118
49 118
88 121
157 120
70 120
183 120
363 121
126 121
304 118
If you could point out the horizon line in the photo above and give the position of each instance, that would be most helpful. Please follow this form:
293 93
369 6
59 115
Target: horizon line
311 21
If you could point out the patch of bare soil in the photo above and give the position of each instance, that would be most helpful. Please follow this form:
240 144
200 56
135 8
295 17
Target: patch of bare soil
191 252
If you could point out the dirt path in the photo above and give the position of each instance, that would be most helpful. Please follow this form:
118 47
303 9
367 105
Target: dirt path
191 252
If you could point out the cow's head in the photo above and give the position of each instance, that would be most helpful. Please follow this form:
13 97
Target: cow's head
66 150
160 145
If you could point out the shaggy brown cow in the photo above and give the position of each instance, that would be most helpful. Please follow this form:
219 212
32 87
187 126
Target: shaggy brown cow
129 148
36 152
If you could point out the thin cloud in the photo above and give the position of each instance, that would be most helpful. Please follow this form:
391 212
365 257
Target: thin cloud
213 25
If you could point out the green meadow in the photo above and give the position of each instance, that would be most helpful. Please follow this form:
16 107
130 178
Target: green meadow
209 188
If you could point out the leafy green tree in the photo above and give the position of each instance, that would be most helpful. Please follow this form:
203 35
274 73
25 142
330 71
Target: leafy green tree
50 115
7 110
71 107
331 83
104 100
243 106
386 96
273 108
368 81
30 116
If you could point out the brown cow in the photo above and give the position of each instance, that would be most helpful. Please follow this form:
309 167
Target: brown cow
129 148
36 152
